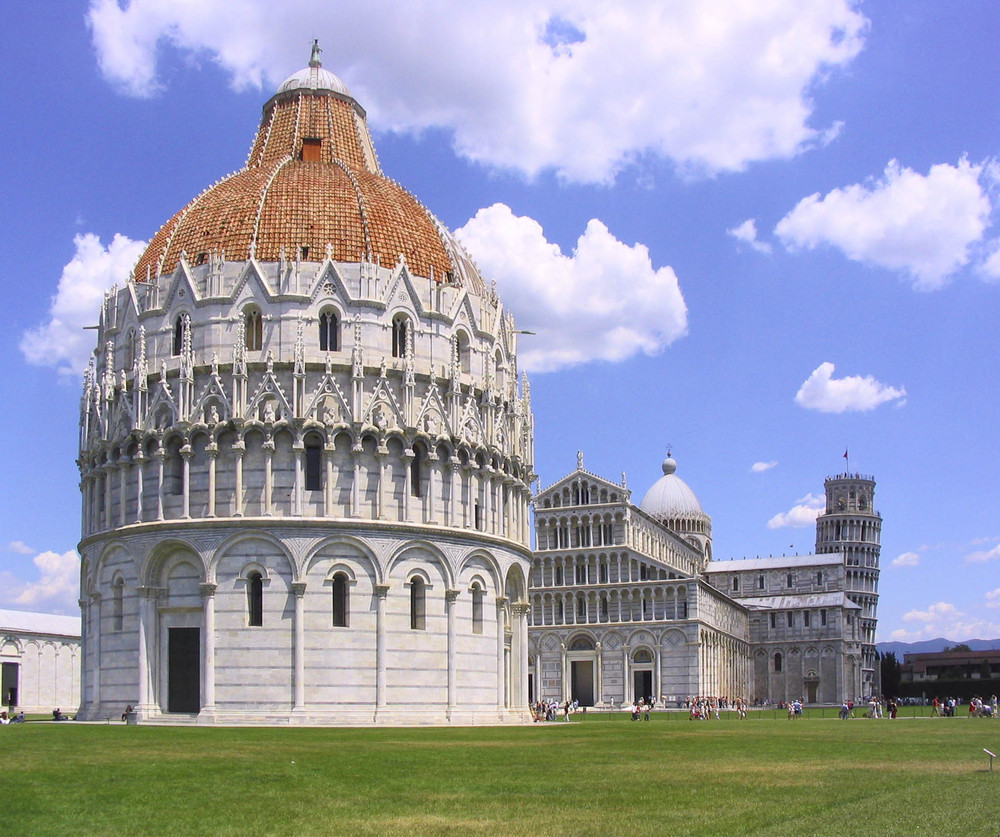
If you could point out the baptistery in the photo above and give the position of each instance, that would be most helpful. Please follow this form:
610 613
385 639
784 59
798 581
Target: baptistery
305 453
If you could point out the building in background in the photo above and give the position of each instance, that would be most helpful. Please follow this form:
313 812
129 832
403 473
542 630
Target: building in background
40 661
626 601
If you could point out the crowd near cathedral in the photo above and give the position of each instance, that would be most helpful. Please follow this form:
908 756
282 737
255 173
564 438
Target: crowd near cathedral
306 459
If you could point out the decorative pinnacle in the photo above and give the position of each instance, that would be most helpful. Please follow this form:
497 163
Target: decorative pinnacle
314 58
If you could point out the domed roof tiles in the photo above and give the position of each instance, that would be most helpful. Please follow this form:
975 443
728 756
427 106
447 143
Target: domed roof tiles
671 497
311 181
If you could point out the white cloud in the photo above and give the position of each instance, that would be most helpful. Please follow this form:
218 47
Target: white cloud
821 391
803 513
20 547
993 598
907 559
581 86
606 301
923 226
983 555
760 467
943 619
62 341
747 234
57 588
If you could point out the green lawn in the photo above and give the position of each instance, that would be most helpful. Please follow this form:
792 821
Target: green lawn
599 775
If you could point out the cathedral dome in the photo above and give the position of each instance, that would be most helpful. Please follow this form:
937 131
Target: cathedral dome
312 187
670 497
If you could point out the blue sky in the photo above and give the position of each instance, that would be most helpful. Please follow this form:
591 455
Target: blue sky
760 234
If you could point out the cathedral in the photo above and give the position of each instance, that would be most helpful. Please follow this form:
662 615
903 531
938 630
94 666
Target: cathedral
306 459
627 603
305 453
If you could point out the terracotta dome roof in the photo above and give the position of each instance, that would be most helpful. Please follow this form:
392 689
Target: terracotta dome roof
312 181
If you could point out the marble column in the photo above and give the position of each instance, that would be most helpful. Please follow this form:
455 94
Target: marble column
381 591
207 591
299 591
451 599
501 630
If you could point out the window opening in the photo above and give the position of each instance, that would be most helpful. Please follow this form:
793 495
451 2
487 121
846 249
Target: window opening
341 601
328 332
418 604
255 600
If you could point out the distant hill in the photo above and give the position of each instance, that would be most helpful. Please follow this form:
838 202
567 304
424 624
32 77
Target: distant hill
932 645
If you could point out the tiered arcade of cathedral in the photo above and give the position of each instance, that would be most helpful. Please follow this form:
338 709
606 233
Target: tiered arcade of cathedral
305 454
306 459
627 603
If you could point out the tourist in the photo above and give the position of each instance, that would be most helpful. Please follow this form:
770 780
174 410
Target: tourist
4 720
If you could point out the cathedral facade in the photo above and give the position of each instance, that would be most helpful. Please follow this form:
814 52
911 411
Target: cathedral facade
305 453
627 602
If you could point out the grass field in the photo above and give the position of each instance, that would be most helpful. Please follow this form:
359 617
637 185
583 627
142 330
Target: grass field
601 775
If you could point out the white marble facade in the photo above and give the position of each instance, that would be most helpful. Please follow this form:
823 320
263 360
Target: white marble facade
40 662
306 479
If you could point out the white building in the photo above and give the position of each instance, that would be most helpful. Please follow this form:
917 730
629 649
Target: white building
626 601
305 454
40 661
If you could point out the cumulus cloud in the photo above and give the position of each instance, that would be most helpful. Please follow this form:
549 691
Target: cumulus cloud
983 555
20 548
821 391
922 226
943 619
57 588
993 598
61 342
605 301
803 513
747 234
580 86
760 467
907 559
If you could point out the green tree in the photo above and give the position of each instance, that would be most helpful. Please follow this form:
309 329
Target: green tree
891 673
960 647
985 672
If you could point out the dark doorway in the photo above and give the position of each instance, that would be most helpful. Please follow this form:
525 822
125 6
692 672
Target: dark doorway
642 682
811 687
531 688
8 693
183 670
583 682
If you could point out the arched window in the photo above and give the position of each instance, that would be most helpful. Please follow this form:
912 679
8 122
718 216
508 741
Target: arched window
329 332
177 344
341 601
173 469
736 583
314 463
464 353
477 609
118 602
418 604
130 349
777 662
416 471
255 600
254 329
400 324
